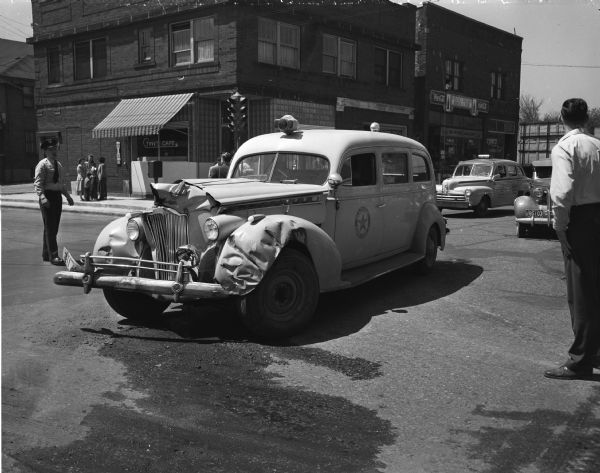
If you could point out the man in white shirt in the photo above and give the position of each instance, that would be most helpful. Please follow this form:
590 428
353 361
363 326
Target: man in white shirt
575 193
50 187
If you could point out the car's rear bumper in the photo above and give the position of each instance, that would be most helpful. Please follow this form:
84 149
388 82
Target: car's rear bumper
172 290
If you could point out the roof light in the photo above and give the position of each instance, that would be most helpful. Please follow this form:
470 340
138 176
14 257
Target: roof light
287 124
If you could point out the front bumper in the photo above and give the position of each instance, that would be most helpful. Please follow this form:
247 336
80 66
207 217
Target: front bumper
448 201
536 216
94 271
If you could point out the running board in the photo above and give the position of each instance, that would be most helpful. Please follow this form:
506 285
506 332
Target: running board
355 276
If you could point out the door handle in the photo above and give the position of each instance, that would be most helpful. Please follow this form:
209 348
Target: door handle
383 204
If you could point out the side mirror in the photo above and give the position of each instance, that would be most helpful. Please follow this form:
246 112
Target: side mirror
334 180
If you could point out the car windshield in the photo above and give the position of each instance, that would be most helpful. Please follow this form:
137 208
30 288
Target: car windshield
284 167
477 169
543 172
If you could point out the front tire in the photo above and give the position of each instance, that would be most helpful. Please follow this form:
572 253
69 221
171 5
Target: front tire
134 306
482 207
431 245
522 230
285 300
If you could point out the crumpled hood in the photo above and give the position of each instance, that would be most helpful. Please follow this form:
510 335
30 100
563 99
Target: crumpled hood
462 181
186 195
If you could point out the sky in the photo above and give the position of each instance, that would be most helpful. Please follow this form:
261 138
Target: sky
561 41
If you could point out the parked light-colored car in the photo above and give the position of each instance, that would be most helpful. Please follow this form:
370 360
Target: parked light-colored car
301 212
535 210
480 184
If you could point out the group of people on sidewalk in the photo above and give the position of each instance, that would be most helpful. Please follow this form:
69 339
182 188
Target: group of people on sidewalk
91 179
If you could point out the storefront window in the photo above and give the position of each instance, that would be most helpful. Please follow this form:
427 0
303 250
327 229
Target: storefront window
173 145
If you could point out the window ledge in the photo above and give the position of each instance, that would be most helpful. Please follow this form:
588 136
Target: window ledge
144 65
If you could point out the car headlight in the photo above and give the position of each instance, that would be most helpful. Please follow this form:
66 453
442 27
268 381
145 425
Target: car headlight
467 192
133 229
211 230
538 192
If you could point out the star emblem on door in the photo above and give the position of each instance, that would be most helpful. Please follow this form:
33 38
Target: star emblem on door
362 221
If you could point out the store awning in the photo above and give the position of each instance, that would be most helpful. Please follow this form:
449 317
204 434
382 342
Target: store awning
143 116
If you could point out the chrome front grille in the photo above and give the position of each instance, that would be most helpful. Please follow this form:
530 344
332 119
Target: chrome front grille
166 231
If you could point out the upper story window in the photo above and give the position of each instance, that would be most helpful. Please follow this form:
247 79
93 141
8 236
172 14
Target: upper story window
193 41
454 74
54 69
90 59
339 56
497 85
146 45
278 43
388 67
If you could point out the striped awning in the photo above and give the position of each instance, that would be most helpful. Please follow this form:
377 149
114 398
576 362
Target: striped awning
143 116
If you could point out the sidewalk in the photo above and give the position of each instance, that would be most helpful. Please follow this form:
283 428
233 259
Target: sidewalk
22 196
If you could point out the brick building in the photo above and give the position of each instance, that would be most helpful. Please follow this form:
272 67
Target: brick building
18 152
136 80
467 87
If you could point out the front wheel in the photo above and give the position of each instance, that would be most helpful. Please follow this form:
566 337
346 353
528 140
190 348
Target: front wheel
482 207
431 245
522 230
285 300
134 306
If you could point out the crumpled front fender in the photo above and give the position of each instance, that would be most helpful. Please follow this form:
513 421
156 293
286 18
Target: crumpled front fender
252 249
114 235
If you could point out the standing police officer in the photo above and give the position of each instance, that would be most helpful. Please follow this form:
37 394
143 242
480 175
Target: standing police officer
50 187
575 193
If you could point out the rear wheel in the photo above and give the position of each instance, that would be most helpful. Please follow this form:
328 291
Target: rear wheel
285 300
134 306
482 207
431 245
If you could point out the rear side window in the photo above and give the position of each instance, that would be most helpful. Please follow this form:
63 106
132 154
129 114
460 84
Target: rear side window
359 170
512 171
395 168
420 169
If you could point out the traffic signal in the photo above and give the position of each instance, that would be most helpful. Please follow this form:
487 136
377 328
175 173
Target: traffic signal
237 112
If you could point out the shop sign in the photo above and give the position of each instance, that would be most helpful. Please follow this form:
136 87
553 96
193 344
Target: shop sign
483 106
151 143
458 133
437 97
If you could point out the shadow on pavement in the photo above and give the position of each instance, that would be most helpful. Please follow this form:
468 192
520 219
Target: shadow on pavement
544 440
338 314
491 213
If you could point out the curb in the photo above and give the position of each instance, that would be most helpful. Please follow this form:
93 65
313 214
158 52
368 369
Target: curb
115 210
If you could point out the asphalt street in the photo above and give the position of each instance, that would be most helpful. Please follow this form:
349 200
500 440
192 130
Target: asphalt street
441 373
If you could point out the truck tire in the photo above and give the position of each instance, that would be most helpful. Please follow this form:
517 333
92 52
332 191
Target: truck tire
285 300
431 245
134 306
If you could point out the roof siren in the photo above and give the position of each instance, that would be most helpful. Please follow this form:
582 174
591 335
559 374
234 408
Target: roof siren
287 124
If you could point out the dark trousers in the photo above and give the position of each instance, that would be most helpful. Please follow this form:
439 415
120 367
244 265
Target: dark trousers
51 218
582 270
102 189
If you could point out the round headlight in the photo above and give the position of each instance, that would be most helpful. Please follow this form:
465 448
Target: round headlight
133 230
467 192
211 230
